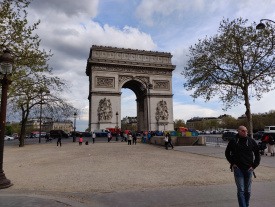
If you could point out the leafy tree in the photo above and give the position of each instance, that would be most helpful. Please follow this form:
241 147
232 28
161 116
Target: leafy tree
179 123
258 123
237 64
229 122
270 118
213 124
200 125
31 74
8 130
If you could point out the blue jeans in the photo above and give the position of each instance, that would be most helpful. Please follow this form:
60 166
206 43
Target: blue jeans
166 145
243 179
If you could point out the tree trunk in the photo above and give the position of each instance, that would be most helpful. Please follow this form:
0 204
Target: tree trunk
248 114
23 130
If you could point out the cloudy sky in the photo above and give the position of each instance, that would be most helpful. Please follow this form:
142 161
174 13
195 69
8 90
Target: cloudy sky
69 28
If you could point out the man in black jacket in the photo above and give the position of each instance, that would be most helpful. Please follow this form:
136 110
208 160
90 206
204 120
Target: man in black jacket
243 155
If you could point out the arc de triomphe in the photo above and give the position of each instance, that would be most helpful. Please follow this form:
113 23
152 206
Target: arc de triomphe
148 74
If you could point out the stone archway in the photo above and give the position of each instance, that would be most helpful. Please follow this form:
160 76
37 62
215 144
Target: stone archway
148 74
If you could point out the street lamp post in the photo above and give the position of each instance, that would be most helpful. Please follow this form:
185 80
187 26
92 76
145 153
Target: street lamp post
75 115
6 63
41 102
116 125
262 25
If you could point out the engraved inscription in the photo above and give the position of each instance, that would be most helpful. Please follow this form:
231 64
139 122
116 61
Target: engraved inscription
132 70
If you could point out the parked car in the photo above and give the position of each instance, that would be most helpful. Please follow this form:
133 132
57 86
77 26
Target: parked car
207 132
15 135
8 138
228 135
258 135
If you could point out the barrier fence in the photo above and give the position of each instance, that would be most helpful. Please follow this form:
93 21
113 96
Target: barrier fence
215 140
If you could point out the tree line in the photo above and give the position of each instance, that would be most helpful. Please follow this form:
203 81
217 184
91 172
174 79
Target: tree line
229 122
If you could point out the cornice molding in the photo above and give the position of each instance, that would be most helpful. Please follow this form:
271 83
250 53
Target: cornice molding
119 57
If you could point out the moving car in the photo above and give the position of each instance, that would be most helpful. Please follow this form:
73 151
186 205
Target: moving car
258 135
228 135
55 134
8 138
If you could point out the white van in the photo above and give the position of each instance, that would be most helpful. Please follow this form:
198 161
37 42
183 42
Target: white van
269 128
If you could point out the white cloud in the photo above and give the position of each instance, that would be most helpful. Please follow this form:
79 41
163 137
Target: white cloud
69 28
188 111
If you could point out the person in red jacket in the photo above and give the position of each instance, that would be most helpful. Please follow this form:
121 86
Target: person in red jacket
80 140
270 144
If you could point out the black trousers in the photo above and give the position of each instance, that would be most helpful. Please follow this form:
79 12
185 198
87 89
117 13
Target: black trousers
169 142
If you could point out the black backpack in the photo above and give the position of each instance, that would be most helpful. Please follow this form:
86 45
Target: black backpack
271 140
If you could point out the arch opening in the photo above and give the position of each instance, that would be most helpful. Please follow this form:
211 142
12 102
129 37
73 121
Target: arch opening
141 103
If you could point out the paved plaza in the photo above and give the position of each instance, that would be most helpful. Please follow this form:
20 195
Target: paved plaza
115 174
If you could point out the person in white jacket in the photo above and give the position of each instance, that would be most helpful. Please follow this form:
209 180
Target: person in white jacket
129 138
94 136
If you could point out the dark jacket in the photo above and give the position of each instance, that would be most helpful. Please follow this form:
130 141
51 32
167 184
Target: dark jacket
243 152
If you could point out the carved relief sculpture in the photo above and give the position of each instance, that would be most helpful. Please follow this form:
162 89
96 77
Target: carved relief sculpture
104 110
161 85
162 111
105 82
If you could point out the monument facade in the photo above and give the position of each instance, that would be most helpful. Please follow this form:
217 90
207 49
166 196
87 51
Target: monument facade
148 74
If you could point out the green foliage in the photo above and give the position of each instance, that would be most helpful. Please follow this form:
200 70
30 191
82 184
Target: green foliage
32 77
8 130
237 64
179 123
125 126
12 128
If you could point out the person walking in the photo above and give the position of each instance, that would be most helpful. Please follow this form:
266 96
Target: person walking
135 138
47 137
166 139
94 136
271 143
268 139
80 141
243 155
109 136
149 137
170 141
125 137
129 138
59 138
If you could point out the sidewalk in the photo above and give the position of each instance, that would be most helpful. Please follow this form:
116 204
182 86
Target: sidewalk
208 196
